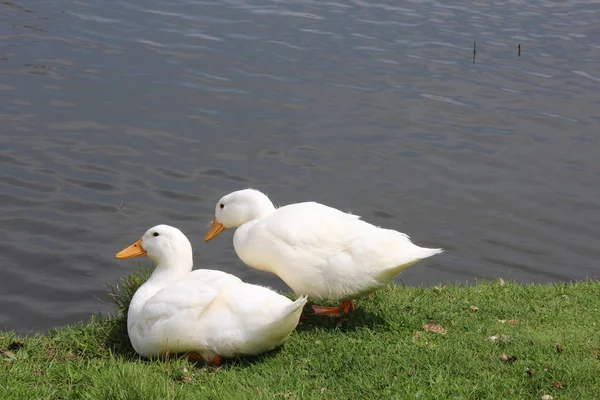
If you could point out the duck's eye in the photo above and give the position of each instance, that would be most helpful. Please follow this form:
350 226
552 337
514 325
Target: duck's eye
222 205
155 234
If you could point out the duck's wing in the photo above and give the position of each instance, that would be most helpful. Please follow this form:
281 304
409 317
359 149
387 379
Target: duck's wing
196 291
260 316
311 230
315 238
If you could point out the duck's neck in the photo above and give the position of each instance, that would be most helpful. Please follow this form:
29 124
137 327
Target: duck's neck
249 250
167 270
257 207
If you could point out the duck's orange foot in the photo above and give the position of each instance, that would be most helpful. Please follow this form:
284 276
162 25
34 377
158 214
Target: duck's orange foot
335 311
195 357
348 306
329 311
216 361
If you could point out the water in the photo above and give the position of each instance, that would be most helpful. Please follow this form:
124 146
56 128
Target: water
117 116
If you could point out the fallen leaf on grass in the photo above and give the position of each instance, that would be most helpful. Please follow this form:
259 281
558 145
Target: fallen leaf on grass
187 379
557 384
434 327
501 282
547 397
474 308
558 348
502 321
512 321
506 357
530 372
418 335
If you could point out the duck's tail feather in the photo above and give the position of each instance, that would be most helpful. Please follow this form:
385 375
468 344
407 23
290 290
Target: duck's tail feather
296 306
427 252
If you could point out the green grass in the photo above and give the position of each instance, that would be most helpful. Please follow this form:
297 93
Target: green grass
381 351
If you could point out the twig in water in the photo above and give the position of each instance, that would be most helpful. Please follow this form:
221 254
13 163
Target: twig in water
121 207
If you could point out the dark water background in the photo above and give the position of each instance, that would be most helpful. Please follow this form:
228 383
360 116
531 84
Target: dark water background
119 115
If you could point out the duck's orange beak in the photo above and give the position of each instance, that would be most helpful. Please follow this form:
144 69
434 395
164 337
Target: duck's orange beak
135 250
214 230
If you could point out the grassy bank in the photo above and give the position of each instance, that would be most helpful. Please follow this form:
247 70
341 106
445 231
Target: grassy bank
493 340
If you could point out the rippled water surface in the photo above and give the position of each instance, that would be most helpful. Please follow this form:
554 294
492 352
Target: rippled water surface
118 115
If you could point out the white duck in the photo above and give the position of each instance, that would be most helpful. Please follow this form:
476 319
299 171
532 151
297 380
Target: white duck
316 250
205 313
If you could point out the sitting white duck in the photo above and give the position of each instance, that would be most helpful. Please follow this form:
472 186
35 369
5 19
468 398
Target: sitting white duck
204 313
316 250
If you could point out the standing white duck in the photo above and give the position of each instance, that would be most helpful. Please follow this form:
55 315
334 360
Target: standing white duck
205 313
316 250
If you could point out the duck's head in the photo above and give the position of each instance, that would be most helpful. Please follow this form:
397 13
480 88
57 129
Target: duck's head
163 243
237 208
